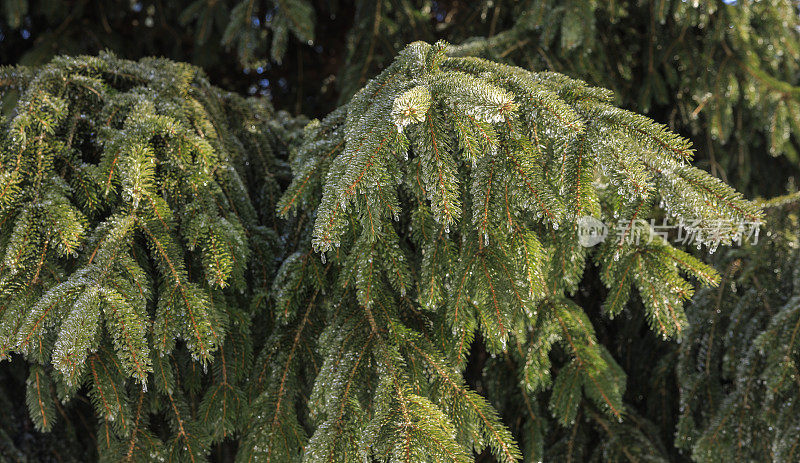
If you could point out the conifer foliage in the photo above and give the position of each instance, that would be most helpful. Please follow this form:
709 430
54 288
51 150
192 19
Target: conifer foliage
242 28
402 280
446 196
439 209
251 29
131 246
723 71
738 370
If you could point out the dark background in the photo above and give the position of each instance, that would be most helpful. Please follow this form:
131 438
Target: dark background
305 82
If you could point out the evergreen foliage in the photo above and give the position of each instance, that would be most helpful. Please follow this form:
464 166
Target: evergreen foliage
402 279
712 69
738 370
242 27
251 29
724 72
450 193
128 225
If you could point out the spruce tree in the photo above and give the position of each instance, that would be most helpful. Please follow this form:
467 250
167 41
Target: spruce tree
714 70
422 294
738 368
723 73
136 216
446 196
137 212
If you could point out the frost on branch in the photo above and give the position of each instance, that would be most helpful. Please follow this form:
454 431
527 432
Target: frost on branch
446 197
126 234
